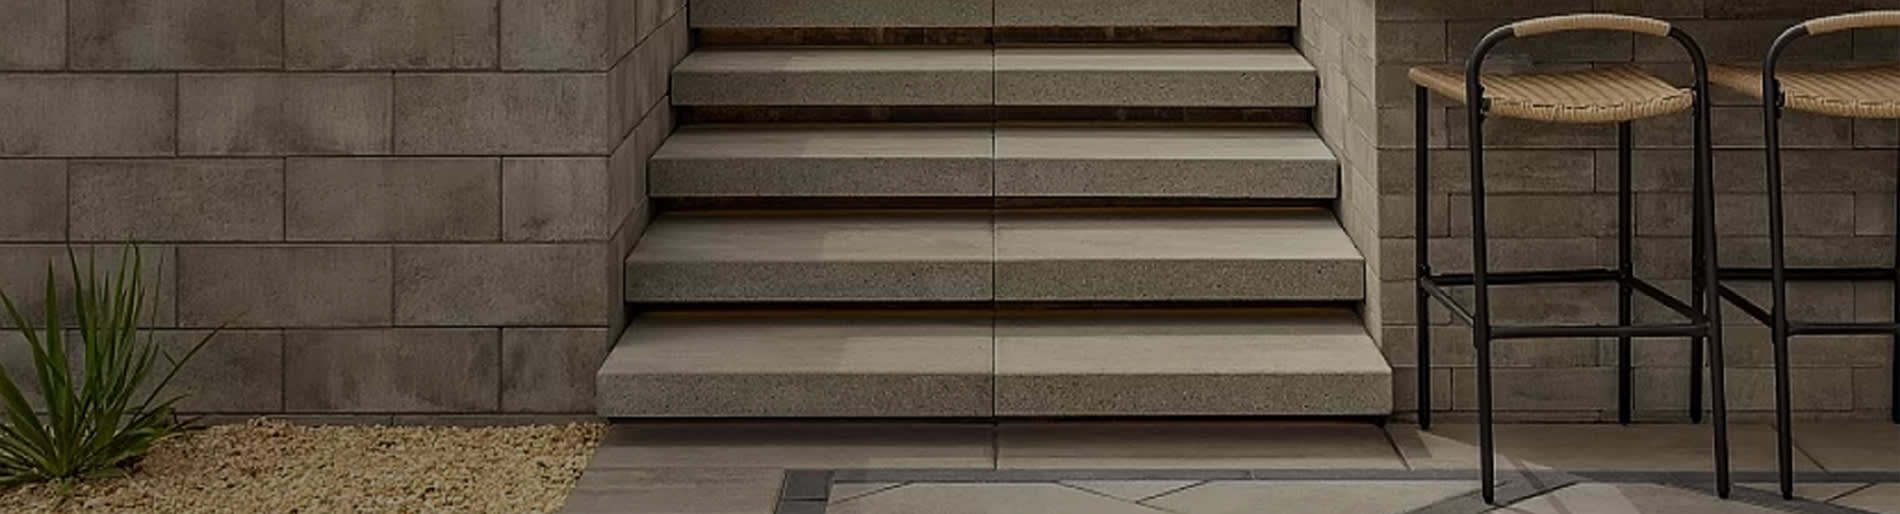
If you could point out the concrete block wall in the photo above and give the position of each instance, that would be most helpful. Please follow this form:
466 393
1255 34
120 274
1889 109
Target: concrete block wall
1553 205
399 208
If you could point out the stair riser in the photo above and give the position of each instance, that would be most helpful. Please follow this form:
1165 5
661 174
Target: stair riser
871 178
985 13
1367 394
1157 280
1045 281
649 282
771 396
1167 178
1156 89
876 177
942 87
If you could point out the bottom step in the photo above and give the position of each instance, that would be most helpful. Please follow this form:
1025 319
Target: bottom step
956 366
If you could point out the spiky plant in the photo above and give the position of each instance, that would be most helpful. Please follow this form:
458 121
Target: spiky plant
94 420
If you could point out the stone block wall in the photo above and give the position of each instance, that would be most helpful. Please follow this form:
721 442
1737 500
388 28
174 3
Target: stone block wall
1553 204
398 208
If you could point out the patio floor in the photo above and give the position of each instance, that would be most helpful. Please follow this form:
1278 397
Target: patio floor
1219 468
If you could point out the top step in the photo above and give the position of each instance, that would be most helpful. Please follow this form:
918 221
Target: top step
993 13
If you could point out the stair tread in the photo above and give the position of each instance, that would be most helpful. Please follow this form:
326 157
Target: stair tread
976 366
1263 58
809 60
842 142
828 237
1289 235
1162 143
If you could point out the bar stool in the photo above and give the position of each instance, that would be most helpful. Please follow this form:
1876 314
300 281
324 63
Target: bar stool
1615 95
1869 92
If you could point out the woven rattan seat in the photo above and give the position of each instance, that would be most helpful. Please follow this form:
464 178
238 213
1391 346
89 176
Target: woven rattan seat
1605 95
1870 92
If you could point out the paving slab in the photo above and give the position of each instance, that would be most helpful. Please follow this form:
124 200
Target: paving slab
1820 492
671 491
846 161
1268 76
1284 255
1605 447
1131 490
1841 446
1357 497
713 366
987 499
1880 499
844 492
1181 162
1323 364
834 77
1205 445
807 445
844 257
1597 498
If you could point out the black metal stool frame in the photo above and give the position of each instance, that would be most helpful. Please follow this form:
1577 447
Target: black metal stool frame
1778 274
1702 323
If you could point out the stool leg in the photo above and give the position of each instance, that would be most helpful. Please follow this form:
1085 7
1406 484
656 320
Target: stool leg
1700 228
1894 396
1481 320
1422 255
1625 272
1784 439
1705 189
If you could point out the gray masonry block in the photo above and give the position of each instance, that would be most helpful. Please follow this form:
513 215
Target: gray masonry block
1164 162
555 199
1806 214
1190 367
33 203
1554 389
297 286
88 115
502 285
556 34
1142 13
840 13
237 371
551 369
1296 255
177 200
23 271
825 162
509 113
175 34
779 367
393 199
834 76
33 34
1538 215
390 34
392 370
283 114
1272 76
626 180
1751 389
865 258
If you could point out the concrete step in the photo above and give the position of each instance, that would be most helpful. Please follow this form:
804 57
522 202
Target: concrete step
978 364
1190 366
986 13
1227 256
977 161
1266 76
834 76
847 161
817 367
1147 13
685 258
1277 255
1180 162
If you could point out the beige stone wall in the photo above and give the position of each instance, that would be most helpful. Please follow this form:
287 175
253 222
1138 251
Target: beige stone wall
398 207
1553 204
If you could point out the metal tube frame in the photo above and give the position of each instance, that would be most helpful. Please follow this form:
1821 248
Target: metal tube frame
1703 323
1778 274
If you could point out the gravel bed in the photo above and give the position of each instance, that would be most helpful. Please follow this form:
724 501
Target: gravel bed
276 467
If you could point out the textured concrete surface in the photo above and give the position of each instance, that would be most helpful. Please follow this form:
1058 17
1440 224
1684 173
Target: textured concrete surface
834 77
304 286
1282 255
390 34
1209 445
1140 13
1104 366
502 113
33 205
391 370
550 369
174 34
381 199
715 258
1164 162
280 114
840 13
824 162
92 115
132 200
1274 76
832 367
546 284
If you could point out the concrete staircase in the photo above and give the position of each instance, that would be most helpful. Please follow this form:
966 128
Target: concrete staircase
1009 224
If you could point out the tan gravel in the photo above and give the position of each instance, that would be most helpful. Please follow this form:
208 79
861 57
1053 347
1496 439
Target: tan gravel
276 467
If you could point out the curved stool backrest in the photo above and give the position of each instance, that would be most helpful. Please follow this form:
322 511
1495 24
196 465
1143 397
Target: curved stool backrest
1474 67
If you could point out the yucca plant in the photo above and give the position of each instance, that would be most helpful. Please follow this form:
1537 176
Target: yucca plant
94 420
